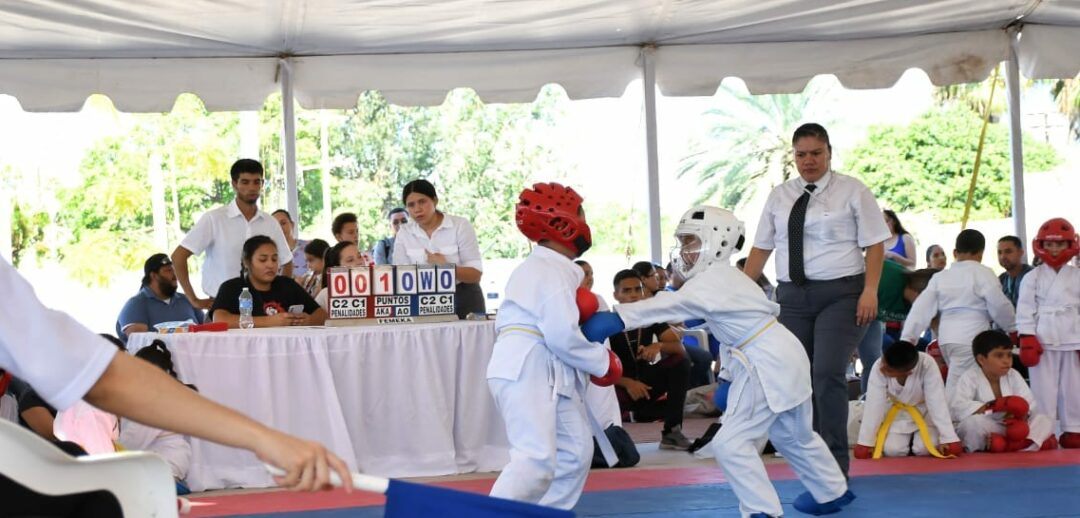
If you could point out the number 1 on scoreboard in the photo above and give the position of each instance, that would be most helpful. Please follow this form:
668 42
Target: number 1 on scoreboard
384 279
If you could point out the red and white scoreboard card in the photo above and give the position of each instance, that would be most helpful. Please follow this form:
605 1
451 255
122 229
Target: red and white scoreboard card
391 294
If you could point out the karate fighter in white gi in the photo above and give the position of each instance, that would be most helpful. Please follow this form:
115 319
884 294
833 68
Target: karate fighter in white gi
968 297
1048 319
910 381
766 367
993 406
538 368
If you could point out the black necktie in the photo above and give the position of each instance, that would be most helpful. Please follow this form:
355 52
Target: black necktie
795 236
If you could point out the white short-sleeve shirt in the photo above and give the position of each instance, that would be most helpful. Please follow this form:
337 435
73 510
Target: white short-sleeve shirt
454 238
842 218
47 349
221 233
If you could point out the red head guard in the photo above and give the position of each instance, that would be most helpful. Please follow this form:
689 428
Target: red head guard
550 211
1057 229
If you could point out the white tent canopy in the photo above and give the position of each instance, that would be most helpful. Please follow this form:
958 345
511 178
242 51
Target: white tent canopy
142 54
324 53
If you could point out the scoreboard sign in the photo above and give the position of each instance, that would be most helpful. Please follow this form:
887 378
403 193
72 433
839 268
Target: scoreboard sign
391 294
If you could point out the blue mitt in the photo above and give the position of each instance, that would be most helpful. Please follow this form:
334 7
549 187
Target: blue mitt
602 325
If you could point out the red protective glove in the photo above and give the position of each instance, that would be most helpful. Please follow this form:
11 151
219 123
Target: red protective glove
998 443
1014 337
952 448
934 350
863 452
1015 406
587 304
1016 429
614 371
5 380
1030 350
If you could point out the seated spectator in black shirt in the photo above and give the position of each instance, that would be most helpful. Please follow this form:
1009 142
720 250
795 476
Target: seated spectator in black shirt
654 363
272 294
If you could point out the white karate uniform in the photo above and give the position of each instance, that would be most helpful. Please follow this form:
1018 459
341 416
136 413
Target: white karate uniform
603 402
972 391
172 447
1049 308
968 296
922 389
537 373
770 384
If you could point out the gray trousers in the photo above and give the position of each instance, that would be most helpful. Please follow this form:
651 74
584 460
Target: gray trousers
822 315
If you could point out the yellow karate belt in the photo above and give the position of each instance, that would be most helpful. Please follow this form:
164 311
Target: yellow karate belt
518 329
924 431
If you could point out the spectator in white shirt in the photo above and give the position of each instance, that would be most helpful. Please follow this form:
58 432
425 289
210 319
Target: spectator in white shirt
432 237
221 233
829 296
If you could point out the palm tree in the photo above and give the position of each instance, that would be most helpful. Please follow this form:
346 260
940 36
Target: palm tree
748 140
1067 94
975 96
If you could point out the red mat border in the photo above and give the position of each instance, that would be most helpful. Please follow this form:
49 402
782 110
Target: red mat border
614 480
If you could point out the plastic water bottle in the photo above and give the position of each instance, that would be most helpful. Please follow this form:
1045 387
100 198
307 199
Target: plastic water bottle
246 320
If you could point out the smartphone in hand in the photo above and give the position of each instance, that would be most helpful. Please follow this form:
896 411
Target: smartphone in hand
296 309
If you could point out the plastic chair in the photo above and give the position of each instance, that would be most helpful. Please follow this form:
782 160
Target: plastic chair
140 481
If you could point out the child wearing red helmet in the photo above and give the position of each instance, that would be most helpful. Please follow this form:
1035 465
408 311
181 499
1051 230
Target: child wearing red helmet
538 368
1048 319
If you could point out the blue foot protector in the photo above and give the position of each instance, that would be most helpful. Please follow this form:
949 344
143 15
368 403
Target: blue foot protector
806 503
760 515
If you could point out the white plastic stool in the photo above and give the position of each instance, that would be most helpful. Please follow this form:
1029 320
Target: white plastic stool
141 482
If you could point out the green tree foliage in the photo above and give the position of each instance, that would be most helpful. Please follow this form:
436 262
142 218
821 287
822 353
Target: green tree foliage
1066 93
194 149
478 156
748 144
927 164
27 234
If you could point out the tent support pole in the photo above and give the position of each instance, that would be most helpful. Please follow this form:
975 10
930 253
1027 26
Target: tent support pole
1016 145
288 140
648 55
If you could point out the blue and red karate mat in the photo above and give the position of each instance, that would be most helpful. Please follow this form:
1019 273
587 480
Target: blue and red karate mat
1040 484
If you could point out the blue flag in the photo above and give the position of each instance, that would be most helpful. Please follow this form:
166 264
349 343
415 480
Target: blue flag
405 499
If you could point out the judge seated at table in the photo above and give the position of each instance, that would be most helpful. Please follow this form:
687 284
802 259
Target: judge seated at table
272 295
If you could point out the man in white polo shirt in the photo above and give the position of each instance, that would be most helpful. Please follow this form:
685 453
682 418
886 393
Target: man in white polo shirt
819 224
221 233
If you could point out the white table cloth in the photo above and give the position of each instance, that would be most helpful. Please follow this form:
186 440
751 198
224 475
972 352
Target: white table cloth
393 401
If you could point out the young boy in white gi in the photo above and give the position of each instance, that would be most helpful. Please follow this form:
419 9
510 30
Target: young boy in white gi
908 380
538 367
769 372
968 296
1048 318
993 406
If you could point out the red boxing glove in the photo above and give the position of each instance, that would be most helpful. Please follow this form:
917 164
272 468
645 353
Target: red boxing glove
863 452
1016 429
1030 350
952 448
1015 406
587 304
1015 337
5 380
614 371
